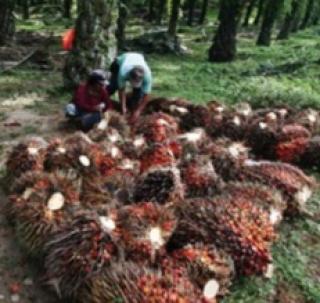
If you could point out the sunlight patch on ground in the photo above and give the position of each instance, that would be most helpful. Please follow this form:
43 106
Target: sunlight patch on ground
23 100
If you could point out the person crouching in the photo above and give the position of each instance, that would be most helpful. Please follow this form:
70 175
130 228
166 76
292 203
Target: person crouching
90 100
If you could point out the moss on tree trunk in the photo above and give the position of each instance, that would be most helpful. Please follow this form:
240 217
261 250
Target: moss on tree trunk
95 44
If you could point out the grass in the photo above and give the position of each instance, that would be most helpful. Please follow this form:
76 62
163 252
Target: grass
287 72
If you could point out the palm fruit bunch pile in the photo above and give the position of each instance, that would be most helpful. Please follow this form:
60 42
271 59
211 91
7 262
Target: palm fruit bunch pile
170 209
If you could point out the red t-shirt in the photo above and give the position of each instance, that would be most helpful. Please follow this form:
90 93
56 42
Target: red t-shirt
88 102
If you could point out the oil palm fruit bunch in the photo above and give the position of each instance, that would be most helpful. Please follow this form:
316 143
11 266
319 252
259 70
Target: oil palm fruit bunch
43 204
233 126
293 140
175 107
72 157
308 118
205 263
129 282
193 142
293 131
295 186
310 158
199 176
227 157
113 128
264 196
262 137
115 189
292 151
160 185
26 156
236 226
156 155
145 229
80 250
157 127
197 116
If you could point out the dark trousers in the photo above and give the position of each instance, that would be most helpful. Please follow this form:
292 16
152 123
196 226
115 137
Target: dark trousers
86 119
134 98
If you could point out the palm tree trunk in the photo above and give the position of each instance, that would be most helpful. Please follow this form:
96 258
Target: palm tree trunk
94 45
7 21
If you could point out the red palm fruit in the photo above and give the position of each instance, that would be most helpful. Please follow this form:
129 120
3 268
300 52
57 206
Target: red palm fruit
291 151
205 263
293 131
157 127
129 282
237 226
42 204
176 148
227 157
145 229
310 158
161 185
26 156
79 251
199 176
264 196
262 136
291 181
157 155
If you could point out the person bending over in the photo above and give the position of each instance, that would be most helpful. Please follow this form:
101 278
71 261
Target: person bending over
131 68
90 100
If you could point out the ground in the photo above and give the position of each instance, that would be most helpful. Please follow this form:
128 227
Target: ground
31 102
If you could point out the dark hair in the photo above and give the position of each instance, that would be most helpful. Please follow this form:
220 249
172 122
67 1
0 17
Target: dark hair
96 77
137 73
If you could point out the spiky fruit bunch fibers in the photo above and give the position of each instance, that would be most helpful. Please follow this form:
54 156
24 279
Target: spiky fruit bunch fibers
292 182
74 156
261 137
237 226
199 177
205 263
197 116
26 156
291 151
128 282
42 205
157 127
268 198
145 228
38 187
79 251
161 185
293 131
227 157
310 158
233 126
113 127
156 155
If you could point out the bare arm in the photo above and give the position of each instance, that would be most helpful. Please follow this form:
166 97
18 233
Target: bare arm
123 101
141 107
